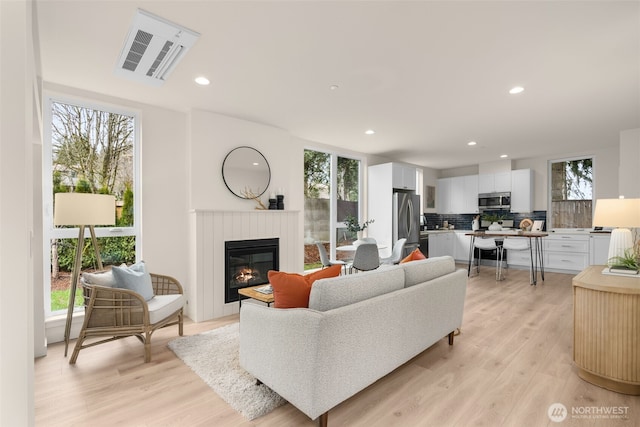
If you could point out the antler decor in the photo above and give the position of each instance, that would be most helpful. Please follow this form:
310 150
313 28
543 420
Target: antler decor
248 194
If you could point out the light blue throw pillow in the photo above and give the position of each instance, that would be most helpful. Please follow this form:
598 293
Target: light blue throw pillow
135 278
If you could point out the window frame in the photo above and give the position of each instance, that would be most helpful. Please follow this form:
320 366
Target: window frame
49 231
334 224
550 162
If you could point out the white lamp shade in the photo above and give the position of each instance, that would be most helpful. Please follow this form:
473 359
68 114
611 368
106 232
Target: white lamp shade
84 209
622 214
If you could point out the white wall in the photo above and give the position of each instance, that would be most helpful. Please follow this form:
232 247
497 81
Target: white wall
165 210
498 166
17 72
629 173
452 172
214 135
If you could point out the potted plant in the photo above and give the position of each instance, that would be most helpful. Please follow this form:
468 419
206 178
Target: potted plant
355 227
627 263
495 220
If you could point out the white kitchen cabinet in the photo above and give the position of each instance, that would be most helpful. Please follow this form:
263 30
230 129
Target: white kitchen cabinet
470 204
461 246
441 243
522 190
380 203
443 195
494 182
404 176
599 248
569 252
457 195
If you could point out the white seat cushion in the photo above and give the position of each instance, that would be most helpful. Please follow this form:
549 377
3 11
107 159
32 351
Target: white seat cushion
161 306
489 243
516 243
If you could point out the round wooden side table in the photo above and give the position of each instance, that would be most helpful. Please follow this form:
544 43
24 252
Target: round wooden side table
606 329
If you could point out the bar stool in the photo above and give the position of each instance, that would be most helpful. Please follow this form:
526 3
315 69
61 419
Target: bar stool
513 244
485 244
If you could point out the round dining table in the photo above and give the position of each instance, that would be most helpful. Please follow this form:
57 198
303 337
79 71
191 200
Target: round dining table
352 248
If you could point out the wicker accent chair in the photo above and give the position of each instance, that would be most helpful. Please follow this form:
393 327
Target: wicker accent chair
119 313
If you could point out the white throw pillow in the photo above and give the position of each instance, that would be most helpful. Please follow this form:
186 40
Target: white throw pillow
135 278
104 278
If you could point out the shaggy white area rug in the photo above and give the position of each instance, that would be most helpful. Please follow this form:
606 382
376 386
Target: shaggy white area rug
214 356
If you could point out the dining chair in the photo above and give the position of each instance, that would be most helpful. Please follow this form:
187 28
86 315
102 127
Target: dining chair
513 244
485 244
396 253
326 261
366 257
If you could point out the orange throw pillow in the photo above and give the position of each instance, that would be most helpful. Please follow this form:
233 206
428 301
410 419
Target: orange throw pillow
414 256
291 290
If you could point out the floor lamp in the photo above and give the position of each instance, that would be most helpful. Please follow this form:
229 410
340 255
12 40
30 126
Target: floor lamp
622 214
82 209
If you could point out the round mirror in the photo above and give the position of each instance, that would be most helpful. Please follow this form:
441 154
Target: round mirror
246 172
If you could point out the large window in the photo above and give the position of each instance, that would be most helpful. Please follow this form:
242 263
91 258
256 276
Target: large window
88 149
571 193
326 209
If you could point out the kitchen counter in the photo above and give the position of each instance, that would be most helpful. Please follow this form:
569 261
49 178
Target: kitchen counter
579 231
427 232
443 230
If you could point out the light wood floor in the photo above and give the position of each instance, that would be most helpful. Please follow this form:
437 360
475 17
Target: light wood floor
512 360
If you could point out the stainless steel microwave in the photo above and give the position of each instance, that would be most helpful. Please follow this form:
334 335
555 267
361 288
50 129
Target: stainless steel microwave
494 201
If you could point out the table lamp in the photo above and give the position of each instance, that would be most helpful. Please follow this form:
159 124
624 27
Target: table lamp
622 214
82 209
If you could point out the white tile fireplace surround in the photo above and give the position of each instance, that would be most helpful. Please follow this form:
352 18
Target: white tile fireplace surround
210 229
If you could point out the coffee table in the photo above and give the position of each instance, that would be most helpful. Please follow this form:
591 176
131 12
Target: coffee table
251 292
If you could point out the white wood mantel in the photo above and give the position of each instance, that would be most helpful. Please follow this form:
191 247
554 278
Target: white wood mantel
210 229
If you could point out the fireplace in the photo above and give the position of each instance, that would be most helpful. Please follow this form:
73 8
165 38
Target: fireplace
247 263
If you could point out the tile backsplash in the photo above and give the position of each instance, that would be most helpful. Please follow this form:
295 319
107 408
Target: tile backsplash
463 221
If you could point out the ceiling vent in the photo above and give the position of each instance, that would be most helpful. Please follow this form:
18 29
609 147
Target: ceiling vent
153 48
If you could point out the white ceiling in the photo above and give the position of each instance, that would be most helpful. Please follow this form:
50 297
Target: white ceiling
427 76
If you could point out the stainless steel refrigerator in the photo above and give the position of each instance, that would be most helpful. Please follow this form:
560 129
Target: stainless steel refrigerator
406 220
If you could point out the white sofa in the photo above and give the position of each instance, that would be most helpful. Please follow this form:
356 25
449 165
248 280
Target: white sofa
357 329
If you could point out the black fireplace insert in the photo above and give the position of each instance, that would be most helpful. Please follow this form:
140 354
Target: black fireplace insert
247 263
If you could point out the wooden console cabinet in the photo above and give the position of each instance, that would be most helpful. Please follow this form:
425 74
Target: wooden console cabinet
606 329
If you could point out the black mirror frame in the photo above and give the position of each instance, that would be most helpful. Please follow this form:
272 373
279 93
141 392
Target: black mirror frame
225 179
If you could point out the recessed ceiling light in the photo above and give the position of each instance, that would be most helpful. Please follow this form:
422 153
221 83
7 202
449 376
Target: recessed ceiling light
255 163
334 87
202 81
516 89
471 143
502 156
370 132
